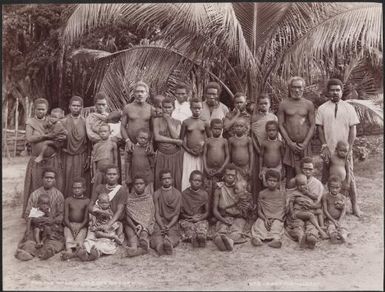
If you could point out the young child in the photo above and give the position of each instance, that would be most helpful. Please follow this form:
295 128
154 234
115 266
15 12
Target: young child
215 156
167 201
193 134
300 205
39 230
334 204
57 133
194 211
245 202
103 214
338 166
157 103
241 149
104 153
140 211
141 160
272 151
271 212
75 218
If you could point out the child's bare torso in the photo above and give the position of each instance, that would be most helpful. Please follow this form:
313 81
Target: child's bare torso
77 209
272 153
240 150
337 167
215 155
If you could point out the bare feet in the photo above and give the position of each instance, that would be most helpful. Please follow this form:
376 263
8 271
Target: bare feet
119 240
256 241
228 242
311 241
66 255
167 246
219 243
323 234
302 241
357 212
201 238
194 241
144 244
275 243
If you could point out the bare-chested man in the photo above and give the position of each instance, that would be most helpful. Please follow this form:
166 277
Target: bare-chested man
136 115
193 136
297 124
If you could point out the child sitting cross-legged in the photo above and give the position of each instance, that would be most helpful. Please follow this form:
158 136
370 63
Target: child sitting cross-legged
75 219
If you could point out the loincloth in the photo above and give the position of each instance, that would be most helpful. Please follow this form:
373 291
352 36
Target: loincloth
292 159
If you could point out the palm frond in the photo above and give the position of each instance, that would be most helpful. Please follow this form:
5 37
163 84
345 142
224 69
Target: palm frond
368 111
116 73
355 27
84 54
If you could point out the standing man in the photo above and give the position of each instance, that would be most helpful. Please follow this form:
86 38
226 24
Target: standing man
239 111
136 115
336 121
76 160
182 109
296 124
212 107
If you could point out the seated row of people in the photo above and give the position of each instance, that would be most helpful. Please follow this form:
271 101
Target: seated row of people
87 228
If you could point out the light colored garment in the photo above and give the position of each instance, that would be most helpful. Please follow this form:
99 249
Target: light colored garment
35 213
103 245
182 111
93 122
219 112
190 163
72 241
258 230
336 128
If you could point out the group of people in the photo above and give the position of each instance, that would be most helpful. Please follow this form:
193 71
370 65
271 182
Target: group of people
190 166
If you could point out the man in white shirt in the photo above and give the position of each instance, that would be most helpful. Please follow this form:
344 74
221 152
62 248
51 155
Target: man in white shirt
336 121
182 109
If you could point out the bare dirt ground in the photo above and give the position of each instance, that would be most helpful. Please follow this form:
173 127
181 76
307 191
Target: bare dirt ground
328 267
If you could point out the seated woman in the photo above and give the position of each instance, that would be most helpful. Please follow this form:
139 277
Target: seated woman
167 201
228 209
194 212
94 246
53 227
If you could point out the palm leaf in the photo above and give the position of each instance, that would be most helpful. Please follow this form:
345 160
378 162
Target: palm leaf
116 73
351 27
368 111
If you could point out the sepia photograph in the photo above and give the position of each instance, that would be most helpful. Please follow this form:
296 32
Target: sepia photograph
193 146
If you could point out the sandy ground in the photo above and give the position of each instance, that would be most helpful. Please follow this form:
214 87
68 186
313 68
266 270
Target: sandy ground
328 267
